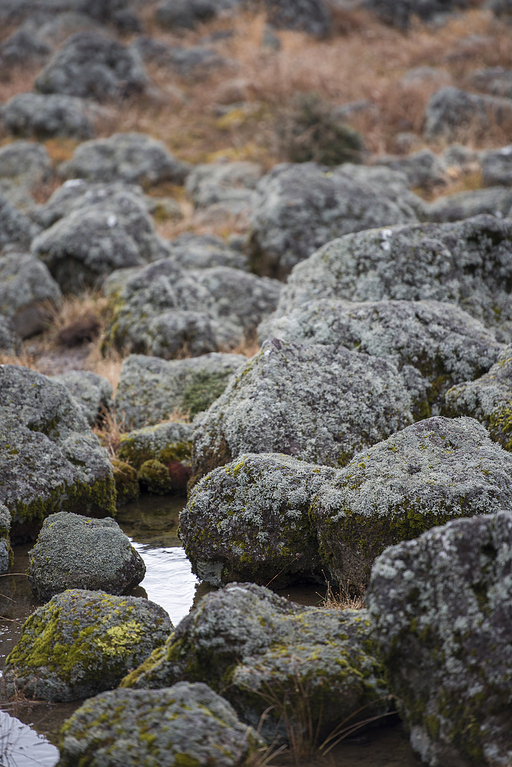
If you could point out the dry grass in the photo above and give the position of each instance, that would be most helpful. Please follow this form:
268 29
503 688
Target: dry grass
343 599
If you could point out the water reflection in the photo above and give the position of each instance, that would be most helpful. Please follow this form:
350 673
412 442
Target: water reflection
21 746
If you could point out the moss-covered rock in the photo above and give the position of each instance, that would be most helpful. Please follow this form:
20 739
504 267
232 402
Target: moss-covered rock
82 643
155 478
440 606
92 392
186 725
261 650
6 554
431 472
127 482
49 458
74 552
165 442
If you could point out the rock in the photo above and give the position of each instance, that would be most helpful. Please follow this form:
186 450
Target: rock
466 263
184 14
451 111
316 403
204 251
10 343
33 115
188 724
497 166
494 80
501 8
495 201
23 48
229 183
83 642
6 554
399 13
27 293
184 61
16 229
24 165
439 341
258 649
311 16
150 389
127 482
440 610
164 442
300 207
423 168
74 552
249 520
134 158
92 66
49 459
85 246
461 158
425 475
104 11
92 392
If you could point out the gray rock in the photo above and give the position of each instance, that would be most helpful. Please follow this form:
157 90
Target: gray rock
104 11
10 343
6 555
92 66
184 14
16 229
186 722
495 201
250 520
92 392
229 183
460 157
501 8
497 166
185 61
451 110
425 475
441 342
311 16
317 403
300 207
151 390
36 116
494 80
24 165
399 12
83 642
423 168
259 649
27 291
204 251
466 263
134 158
440 610
164 442
74 552
49 459
23 48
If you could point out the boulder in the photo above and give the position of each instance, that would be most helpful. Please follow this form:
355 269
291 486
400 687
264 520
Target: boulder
74 552
133 158
6 554
317 403
467 263
10 343
204 251
27 291
440 607
15 228
23 48
186 62
494 80
311 16
423 168
250 521
260 650
184 14
24 165
127 482
90 65
165 442
83 642
452 111
501 8
230 183
495 201
497 166
104 11
300 207
33 115
399 13
49 458
441 343
187 724
92 392
425 475
151 390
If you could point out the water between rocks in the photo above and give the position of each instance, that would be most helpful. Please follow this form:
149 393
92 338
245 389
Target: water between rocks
28 732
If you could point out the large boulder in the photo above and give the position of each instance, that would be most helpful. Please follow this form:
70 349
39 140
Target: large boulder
134 158
495 201
300 207
49 458
15 228
90 65
440 341
205 251
34 115
452 111
74 552
311 16
497 166
440 607
260 650
165 442
317 403
83 642
422 169
152 390
24 166
23 48
6 554
425 475
468 263
92 392
188 724
399 13
229 183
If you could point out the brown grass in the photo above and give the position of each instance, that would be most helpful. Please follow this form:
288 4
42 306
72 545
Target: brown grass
343 599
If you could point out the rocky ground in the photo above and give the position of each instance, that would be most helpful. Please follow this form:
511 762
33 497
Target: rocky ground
259 253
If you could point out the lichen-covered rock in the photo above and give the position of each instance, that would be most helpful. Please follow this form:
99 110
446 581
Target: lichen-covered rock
134 158
451 110
311 16
74 552
223 182
24 165
9 341
6 555
151 390
250 520
15 228
83 642
423 168
440 607
299 208
317 403
49 458
258 649
187 724
399 12
27 290
497 166
205 251
184 14
127 482
90 65
194 60
24 48
423 476
468 263
92 392
496 201
440 341
34 115
165 442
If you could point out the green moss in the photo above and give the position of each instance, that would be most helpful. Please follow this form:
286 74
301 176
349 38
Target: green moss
155 477
500 426
185 760
202 390
127 483
134 454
